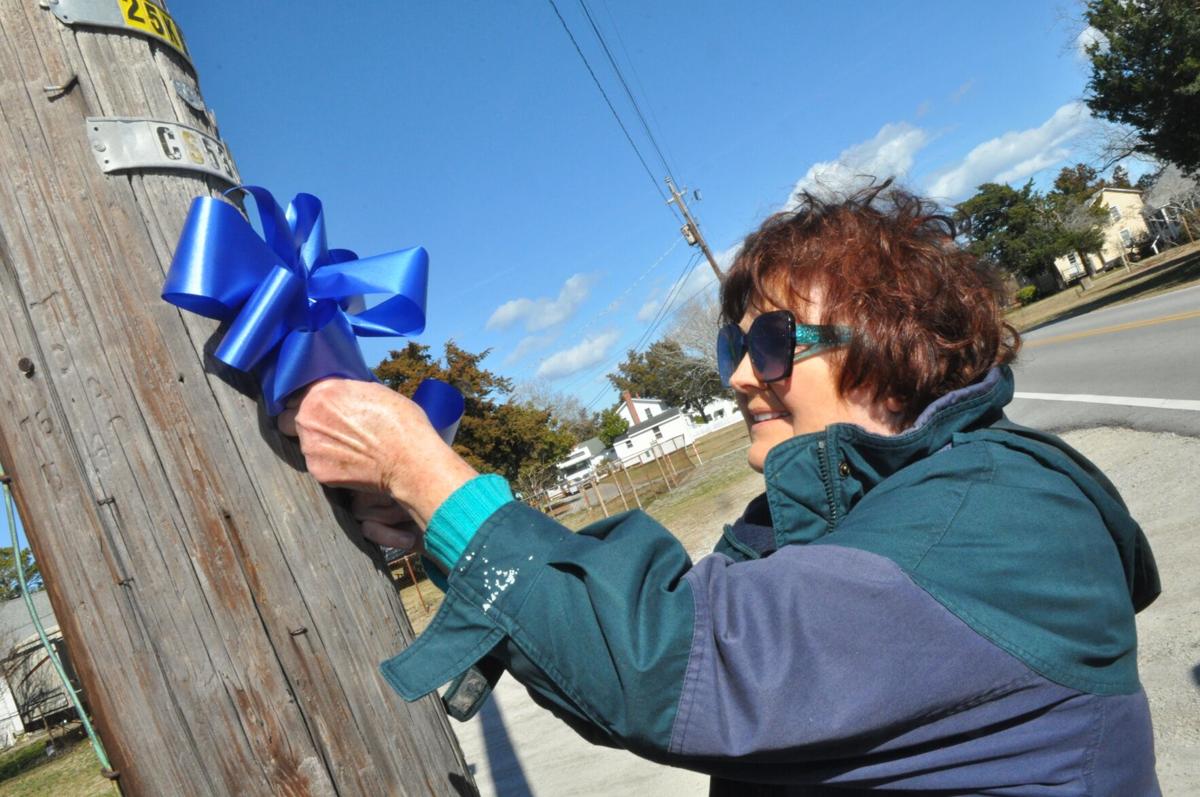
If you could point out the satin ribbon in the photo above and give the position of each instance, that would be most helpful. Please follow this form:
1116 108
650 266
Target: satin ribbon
295 307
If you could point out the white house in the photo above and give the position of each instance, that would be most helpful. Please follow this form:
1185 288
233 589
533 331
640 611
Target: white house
581 463
1124 226
721 412
1167 201
635 410
30 689
661 433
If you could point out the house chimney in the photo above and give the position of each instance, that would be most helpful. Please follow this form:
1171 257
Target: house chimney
632 409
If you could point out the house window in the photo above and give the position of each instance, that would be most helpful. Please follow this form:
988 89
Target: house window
649 413
1114 213
657 433
1126 237
718 414
1072 259
629 444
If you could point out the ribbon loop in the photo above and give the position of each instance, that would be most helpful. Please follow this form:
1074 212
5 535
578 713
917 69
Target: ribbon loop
295 307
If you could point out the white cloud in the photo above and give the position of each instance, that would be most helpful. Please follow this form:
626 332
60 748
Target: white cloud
648 310
1087 37
889 153
528 344
1016 155
962 91
543 313
589 352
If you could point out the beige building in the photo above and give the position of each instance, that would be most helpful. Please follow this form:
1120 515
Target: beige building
1125 225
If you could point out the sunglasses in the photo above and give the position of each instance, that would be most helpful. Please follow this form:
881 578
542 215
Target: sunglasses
775 342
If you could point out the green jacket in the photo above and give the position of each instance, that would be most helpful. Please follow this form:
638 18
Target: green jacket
951 608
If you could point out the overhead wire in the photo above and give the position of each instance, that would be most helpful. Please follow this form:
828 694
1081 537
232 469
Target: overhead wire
637 108
632 68
663 312
653 324
587 64
676 290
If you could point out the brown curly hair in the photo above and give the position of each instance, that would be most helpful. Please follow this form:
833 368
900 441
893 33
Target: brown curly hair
884 261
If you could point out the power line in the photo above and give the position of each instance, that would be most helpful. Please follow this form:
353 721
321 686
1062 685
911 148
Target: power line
654 323
628 93
608 102
632 66
664 312
595 400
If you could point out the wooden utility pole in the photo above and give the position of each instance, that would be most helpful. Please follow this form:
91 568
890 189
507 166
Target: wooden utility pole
225 618
691 230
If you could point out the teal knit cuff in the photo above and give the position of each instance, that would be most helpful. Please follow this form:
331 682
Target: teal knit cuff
455 522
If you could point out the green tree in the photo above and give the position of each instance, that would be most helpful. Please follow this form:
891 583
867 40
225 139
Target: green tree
498 434
1012 229
1077 180
567 412
1146 74
612 425
10 586
666 373
1119 178
1074 216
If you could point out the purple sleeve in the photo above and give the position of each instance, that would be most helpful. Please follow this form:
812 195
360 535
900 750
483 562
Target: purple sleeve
830 664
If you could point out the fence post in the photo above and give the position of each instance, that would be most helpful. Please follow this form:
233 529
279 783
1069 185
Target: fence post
620 492
599 495
637 498
661 469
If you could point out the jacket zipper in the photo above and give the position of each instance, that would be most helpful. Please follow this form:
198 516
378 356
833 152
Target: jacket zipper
826 470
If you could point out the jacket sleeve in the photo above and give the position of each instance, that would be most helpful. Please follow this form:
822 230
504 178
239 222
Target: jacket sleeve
597 624
812 654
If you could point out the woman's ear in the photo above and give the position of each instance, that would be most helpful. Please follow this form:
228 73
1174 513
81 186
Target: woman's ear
893 405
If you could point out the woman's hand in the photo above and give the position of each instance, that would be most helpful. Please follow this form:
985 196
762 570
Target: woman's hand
366 437
384 522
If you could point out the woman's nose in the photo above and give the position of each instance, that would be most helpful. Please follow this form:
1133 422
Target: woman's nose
744 378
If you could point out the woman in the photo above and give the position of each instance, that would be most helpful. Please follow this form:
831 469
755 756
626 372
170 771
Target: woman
927 598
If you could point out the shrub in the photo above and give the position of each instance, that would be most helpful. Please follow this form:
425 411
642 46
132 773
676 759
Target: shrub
1027 295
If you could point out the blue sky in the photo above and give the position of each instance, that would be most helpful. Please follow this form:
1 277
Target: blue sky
474 129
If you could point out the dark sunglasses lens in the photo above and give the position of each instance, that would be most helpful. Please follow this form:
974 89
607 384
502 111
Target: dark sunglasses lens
730 350
772 339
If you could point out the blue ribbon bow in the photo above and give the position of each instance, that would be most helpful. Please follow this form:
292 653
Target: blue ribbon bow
295 306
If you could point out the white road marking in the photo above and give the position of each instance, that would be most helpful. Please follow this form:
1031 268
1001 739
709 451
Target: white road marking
1124 401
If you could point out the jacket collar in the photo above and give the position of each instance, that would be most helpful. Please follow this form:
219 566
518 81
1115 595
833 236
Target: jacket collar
813 480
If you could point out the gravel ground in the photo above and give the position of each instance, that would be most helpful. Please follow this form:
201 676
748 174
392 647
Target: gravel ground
516 748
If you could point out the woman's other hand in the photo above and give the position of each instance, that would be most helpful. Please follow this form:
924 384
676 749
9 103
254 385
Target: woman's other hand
385 522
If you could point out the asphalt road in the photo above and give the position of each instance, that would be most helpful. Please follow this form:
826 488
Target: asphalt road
1116 363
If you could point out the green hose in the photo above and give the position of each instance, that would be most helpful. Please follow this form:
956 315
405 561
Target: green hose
10 508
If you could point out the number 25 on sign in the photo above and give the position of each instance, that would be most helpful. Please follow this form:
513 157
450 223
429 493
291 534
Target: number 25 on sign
148 18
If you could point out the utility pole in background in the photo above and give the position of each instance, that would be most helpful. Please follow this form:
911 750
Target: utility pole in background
691 230
225 619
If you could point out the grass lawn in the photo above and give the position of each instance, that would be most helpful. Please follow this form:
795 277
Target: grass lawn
72 772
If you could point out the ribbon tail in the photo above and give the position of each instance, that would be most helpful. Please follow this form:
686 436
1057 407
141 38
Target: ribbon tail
444 405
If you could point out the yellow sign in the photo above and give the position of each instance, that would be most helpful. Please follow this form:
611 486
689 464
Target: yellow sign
151 19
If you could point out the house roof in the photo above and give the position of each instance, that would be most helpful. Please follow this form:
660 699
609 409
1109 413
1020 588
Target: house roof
15 625
665 415
1100 192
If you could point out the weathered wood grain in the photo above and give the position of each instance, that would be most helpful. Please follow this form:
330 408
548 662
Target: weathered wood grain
223 614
